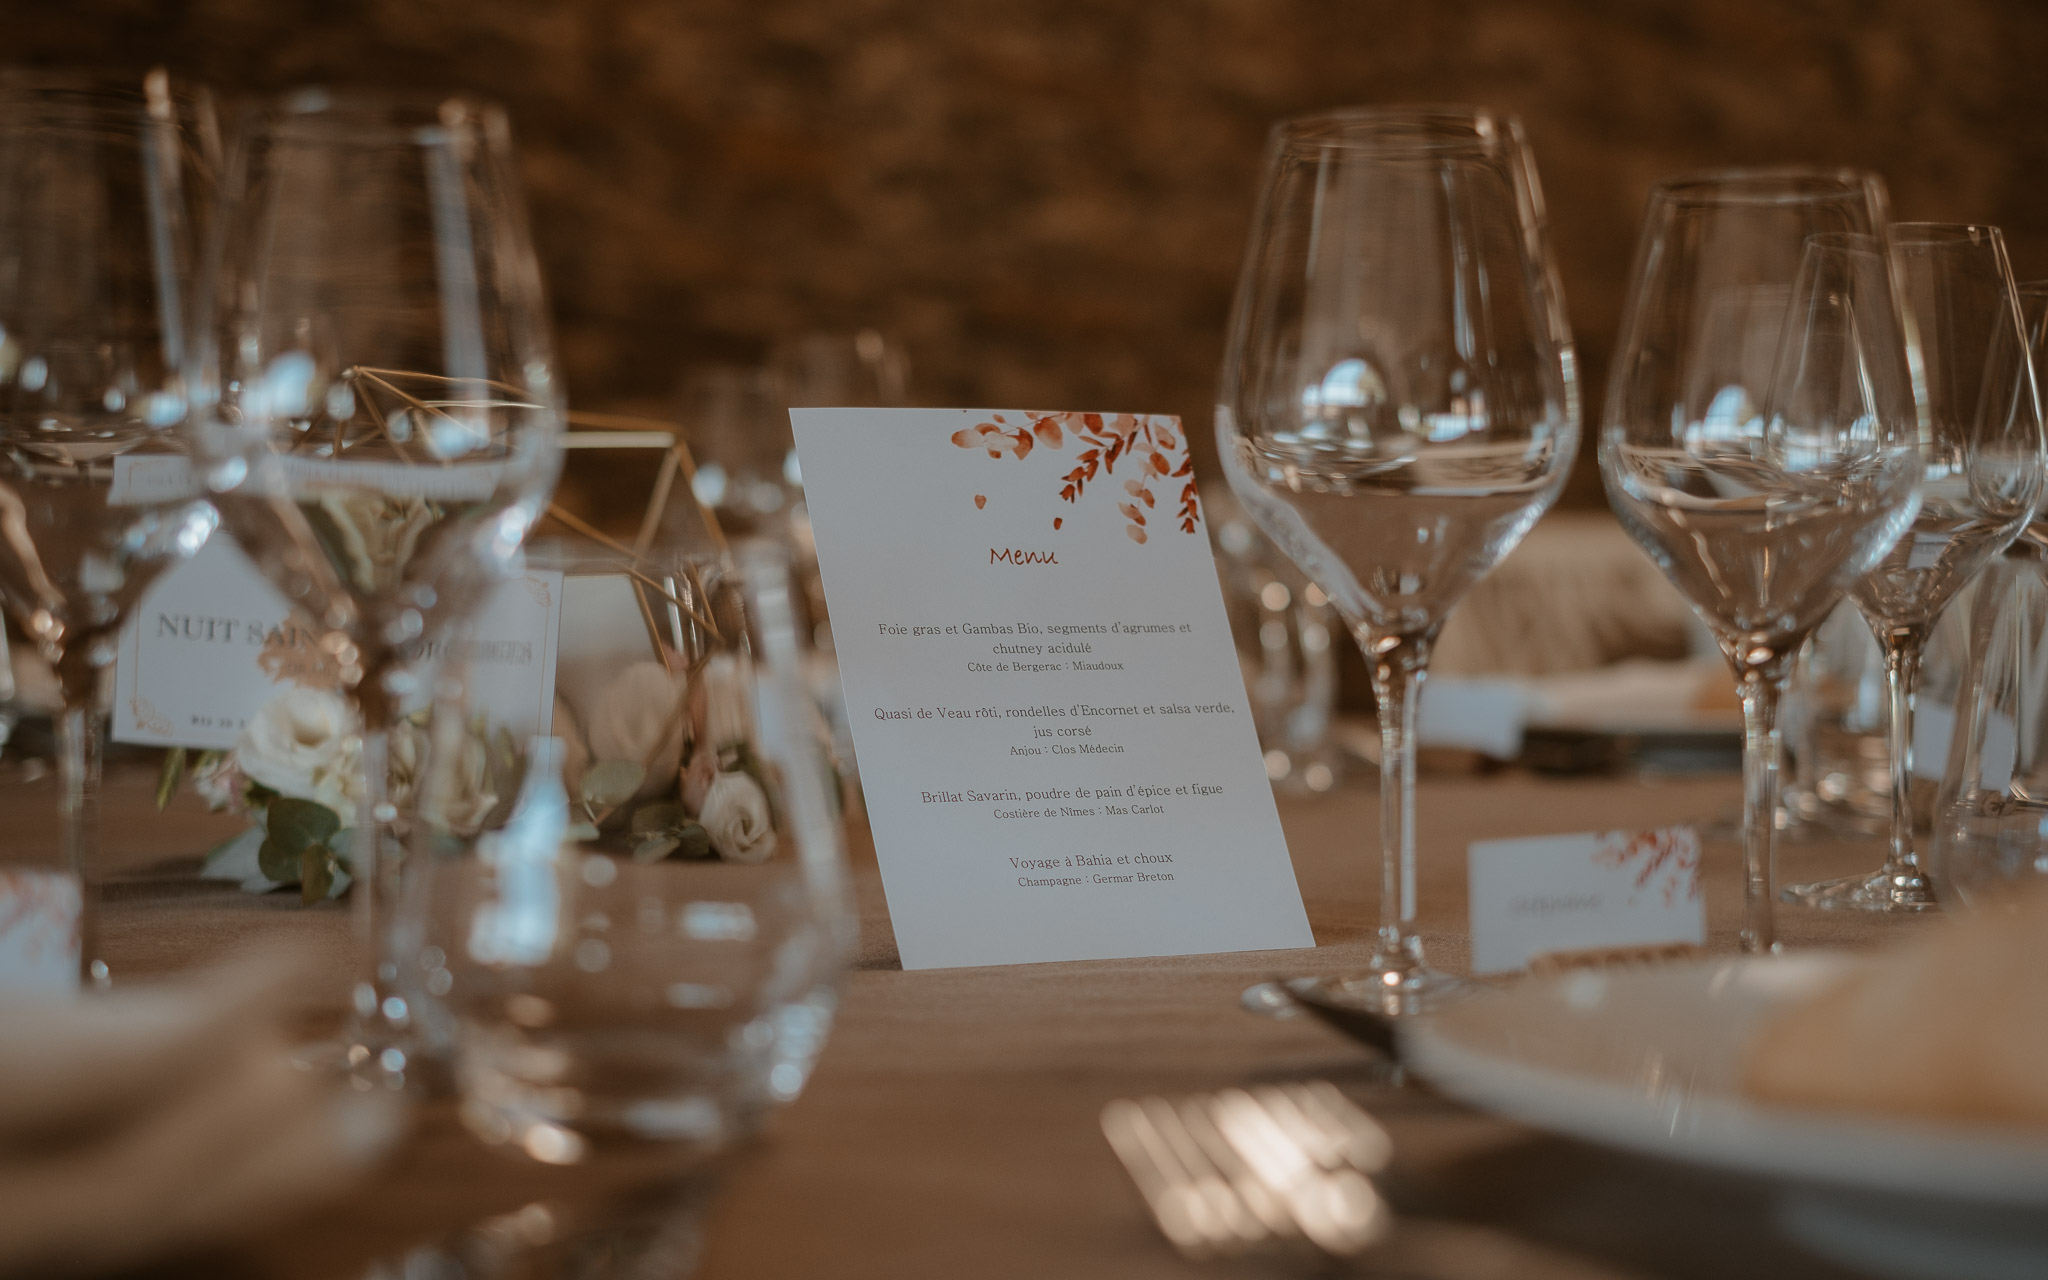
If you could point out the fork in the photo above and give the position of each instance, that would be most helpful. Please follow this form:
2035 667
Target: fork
1240 1170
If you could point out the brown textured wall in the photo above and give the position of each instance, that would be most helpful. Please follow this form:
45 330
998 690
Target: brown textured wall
1045 198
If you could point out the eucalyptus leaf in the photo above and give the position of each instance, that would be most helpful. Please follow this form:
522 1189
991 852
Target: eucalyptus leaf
693 841
169 776
650 818
292 827
277 862
612 782
316 874
301 822
656 847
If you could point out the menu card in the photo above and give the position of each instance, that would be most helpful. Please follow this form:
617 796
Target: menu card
1054 742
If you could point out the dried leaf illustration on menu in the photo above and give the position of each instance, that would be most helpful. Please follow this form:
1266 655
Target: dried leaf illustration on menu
1151 449
1666 862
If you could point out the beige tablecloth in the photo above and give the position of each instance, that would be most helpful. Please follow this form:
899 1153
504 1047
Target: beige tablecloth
950 1130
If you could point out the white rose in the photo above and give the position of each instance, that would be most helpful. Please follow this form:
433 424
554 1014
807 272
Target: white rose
728 703
575 753
303 744
458 793
640 718
736 816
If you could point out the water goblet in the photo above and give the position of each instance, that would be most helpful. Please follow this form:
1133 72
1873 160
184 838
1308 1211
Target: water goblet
1758 433
1980 450
1398 406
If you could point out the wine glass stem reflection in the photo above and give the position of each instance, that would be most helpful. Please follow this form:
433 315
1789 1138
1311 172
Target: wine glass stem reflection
78 809
378 1040
1398 668
1902 648
1760 687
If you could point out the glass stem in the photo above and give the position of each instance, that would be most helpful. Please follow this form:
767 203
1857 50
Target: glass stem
1902 651
382 1019
78 808
1399 666
1760 687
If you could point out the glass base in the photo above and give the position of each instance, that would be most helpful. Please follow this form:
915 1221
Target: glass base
1411 991
1394 993
1901 894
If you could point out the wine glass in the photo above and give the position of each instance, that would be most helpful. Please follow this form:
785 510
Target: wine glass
1398 406
101 186
378 415
1980 450
1758 434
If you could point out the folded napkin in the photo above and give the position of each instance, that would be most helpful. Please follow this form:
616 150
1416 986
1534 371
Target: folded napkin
1950 1026
166 1116
1575 595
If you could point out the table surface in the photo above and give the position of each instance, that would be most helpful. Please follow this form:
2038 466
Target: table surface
950 1129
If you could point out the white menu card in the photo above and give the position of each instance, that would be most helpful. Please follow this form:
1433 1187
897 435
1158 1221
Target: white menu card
1054 742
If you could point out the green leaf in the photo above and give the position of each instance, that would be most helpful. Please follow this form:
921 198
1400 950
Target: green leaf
301 822
316 874
277 862
580 831
693 841
612 782
292 827
655 847
650 818
169 776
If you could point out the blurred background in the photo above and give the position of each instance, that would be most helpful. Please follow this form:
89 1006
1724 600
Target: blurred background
1043 201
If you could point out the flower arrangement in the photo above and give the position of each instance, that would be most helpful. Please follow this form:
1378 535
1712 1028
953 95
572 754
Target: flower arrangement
659 763
665 759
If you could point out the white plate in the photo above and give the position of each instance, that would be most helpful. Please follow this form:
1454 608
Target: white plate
1649 1060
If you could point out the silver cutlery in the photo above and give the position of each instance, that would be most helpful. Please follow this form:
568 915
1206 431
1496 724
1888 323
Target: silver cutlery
1242 1170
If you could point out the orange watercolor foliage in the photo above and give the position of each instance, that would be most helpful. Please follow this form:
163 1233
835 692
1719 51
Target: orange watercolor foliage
1104 440
1665 862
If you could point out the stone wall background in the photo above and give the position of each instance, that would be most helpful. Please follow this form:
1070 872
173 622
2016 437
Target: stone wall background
1045 199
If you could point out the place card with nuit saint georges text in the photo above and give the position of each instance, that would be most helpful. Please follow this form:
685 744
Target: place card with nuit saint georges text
1586 891
1054 742
211 640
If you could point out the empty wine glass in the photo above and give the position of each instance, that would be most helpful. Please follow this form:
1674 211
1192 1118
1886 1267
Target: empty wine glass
378 414
1398 406
1980 453
101 187
1758 433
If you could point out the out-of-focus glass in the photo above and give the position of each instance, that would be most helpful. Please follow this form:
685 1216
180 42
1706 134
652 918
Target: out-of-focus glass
1980 447
1287 633
1991 815
744 451
1838 780
642 945
103 187
378 413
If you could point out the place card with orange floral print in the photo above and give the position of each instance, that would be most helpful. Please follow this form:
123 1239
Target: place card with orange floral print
1053 736
1588 891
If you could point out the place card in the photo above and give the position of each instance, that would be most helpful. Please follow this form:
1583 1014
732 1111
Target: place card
40 914
1054 742
211 640
1575 892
